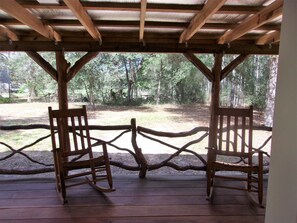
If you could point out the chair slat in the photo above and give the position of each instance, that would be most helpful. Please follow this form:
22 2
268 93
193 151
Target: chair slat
228 134
74 133
235 132
81 132
220 139
243 141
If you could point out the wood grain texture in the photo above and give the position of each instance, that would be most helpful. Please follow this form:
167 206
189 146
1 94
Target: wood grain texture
153 199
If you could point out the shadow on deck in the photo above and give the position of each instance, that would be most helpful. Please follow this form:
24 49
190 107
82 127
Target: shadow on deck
177 199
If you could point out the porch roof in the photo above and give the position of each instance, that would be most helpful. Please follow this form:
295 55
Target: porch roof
213 26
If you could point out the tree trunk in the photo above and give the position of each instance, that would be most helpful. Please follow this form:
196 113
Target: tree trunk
159 83
128 80
273 64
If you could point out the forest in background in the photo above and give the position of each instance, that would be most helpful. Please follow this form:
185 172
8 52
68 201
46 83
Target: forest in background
135 79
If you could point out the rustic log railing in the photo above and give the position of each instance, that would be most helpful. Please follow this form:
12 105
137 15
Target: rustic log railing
152 135
141 161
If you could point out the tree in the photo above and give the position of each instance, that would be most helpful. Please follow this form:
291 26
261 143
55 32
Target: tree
270 96
90 84
247 84
132 64
30 76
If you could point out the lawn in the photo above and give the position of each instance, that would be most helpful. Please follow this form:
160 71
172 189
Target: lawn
166 118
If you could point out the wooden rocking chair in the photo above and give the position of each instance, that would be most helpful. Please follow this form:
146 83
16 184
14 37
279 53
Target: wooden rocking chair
232 139
72 150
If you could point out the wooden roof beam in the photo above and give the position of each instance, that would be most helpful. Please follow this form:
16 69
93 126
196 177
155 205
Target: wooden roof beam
200 65
80 64
142 19
116 46
44 64
78 10
270 12
210 7
5 32
23 15
270 37
233 64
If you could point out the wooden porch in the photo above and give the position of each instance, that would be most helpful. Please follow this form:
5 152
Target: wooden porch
153 199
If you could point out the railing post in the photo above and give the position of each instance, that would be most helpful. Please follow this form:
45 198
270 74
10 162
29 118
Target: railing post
140 157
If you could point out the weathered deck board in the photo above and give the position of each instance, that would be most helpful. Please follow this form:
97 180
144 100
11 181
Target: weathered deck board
155 199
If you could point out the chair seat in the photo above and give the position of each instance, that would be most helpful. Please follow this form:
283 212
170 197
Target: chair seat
98 161
218 165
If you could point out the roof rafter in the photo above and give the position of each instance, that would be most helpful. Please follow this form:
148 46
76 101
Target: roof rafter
5 32
270 37
23 15
270 12
142 19
210 7
78 10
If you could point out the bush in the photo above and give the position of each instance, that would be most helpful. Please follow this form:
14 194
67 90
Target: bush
5 100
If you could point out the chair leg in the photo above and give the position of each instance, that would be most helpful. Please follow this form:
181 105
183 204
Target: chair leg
260 193
248 185
260 178
209 176
260 186
62 190
107 166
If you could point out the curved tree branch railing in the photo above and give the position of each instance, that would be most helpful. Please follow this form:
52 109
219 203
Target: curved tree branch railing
142 165
49 167
152 134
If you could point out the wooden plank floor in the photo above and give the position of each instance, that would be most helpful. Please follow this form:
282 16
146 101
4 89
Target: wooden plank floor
177 199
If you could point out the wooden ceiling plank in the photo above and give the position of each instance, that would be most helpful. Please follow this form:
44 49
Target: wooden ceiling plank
80 63
148 24
23 15
210 7
267 14
151 7
142 19
233 64
200 65
5 32
271 37
78 10
44 64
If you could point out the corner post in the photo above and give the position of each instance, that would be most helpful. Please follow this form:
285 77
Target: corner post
62 67
215 97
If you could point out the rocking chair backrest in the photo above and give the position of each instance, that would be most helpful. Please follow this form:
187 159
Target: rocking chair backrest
73 136
234 131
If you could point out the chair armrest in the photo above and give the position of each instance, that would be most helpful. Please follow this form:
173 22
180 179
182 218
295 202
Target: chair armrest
210 148
260 157
56 150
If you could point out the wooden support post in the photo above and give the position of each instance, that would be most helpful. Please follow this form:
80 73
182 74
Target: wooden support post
62 67
215 97
141 161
